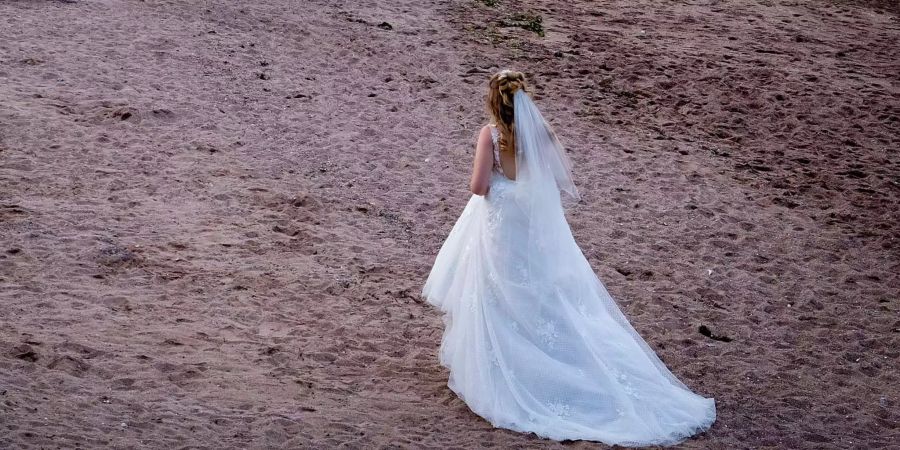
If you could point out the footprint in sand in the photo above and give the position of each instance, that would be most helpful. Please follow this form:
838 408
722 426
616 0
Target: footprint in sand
70 365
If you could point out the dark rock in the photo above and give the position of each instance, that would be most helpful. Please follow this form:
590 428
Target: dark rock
704 330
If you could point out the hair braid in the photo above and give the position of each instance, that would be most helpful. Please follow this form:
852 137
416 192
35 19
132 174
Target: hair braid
503 86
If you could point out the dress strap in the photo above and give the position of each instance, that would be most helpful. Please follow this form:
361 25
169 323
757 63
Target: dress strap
495 140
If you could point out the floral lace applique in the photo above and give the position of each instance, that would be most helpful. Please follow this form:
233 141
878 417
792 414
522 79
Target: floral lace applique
546 330
473 302
492 275
495 141
625 382
493 219
560 409
492 288
581 305
583 309
495 361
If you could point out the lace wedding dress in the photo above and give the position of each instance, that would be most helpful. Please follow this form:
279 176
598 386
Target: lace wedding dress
533 340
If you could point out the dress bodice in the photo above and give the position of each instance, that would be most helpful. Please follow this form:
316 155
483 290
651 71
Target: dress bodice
500 183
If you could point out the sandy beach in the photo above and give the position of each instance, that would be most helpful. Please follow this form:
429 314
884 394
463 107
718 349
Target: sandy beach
216 218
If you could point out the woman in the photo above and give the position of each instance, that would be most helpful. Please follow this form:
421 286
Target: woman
533 340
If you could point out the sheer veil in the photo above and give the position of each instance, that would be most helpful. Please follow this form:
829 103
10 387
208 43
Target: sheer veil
541 159
543 180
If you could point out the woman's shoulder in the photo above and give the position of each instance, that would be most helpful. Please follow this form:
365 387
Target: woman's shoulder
487 131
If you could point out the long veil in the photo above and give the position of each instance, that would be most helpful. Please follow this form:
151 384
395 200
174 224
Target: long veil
543 179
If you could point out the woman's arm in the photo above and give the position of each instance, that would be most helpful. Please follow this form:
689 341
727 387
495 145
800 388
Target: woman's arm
484 163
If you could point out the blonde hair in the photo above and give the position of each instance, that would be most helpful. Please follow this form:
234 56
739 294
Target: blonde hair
502 87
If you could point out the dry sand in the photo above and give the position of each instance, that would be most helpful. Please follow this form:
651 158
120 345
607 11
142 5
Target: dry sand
216 218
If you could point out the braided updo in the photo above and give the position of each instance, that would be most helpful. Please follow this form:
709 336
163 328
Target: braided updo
503 86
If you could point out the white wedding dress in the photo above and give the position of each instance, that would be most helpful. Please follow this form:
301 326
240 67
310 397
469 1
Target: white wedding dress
534 342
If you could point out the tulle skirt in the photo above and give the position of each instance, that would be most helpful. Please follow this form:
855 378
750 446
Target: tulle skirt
535 343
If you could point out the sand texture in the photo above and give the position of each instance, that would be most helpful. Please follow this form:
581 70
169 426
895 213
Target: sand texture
216 218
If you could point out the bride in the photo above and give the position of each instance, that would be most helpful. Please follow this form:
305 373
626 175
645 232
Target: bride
533 340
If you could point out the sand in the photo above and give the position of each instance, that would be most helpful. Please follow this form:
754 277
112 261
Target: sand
216 218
